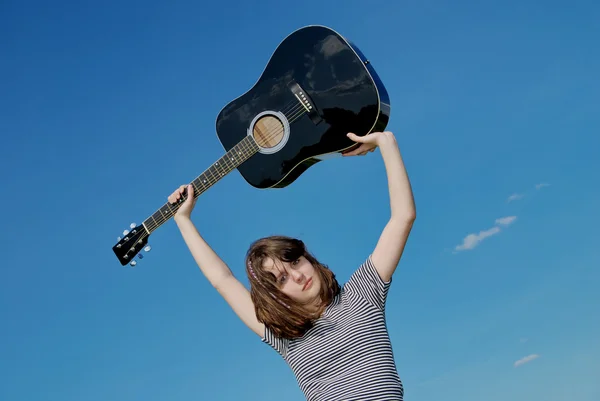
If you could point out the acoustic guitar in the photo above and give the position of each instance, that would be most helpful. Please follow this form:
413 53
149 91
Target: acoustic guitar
316 87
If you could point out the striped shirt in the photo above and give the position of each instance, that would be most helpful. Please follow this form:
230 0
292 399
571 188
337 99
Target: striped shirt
347 354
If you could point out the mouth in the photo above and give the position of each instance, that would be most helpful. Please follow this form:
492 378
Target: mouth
307 285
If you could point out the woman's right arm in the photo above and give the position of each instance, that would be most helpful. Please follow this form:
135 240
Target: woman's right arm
212 266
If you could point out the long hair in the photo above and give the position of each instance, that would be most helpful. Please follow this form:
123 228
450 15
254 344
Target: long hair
285 317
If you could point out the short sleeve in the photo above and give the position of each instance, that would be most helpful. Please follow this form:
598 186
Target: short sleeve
368 284
277 343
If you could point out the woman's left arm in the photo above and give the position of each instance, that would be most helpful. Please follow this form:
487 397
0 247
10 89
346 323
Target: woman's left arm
392 241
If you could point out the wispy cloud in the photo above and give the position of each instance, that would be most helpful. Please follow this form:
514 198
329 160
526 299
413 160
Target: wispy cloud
474 239
515 197
506 221
525 360
518 196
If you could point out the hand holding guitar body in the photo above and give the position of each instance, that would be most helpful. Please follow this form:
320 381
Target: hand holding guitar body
369 142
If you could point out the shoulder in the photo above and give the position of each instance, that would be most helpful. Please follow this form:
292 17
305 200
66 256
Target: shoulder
279 344
367 273
368 284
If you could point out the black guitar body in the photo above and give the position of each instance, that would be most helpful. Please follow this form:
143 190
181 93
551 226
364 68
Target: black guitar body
343 94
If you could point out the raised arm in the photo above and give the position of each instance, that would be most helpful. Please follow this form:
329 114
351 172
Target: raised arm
392 240
212 266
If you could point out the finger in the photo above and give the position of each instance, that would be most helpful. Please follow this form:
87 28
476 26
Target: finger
353 153
176 194
190 193
355 137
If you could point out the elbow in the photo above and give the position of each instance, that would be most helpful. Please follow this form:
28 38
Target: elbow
410 216
406 217
402 224
220 281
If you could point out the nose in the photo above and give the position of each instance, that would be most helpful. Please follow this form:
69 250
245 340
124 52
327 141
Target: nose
297 276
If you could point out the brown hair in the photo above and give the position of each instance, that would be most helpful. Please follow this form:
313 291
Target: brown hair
285 317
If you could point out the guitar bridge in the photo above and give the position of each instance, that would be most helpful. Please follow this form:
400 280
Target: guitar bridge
306 102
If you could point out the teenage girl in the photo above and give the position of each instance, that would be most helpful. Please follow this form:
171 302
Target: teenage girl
334 337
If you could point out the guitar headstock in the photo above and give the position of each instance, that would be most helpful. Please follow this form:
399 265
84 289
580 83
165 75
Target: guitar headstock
133 241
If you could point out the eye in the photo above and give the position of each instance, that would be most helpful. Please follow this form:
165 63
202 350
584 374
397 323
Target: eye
295 262
281 279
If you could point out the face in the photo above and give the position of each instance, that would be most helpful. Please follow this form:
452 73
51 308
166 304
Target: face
298 279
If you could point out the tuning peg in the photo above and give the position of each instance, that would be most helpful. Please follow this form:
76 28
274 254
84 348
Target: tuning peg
148 248
125 232
133 263
118 239
132 225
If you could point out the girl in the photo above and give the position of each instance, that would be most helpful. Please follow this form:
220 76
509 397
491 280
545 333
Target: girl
334 338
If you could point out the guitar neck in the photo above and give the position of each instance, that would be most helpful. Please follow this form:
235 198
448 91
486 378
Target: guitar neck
241 152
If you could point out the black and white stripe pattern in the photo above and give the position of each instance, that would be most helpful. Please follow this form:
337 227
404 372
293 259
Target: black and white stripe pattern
347 355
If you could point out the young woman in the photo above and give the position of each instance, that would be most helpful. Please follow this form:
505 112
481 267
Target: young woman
334 338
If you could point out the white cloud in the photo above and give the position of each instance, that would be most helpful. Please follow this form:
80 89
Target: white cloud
515 197
472 240
542 185
525 360
505 221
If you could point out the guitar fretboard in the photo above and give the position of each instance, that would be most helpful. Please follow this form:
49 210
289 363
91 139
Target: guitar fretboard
241 152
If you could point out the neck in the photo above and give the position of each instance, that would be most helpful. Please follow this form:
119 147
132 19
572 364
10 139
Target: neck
316 307
241 152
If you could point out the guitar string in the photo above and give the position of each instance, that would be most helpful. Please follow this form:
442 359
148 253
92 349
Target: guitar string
298 110
245 151
172 208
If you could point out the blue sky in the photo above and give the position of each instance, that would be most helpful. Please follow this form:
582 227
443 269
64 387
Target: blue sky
106 108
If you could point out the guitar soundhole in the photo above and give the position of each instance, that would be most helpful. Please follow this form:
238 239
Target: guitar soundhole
268 131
